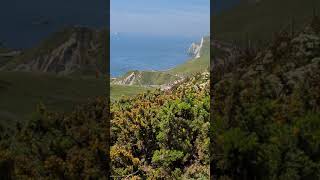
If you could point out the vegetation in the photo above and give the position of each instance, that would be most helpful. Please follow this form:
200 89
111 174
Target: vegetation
163 135
119 91
58 93
264 123
144 140
266 110
59 146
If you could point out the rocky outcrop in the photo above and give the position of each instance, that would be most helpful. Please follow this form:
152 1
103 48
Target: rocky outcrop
131 78
73 50
147 78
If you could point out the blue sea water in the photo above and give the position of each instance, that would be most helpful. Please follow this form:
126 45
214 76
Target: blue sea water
143 52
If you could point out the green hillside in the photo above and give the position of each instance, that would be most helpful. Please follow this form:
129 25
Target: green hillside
118 91
259 21
21 92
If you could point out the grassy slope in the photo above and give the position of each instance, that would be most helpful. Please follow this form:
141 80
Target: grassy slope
117 91
260 21
21 92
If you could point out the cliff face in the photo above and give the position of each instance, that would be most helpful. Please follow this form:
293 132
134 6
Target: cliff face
130 78
70 51
195 49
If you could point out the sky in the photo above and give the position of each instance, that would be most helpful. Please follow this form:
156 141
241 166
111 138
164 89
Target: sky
161 17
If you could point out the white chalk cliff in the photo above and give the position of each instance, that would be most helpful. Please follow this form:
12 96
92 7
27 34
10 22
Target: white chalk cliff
195 49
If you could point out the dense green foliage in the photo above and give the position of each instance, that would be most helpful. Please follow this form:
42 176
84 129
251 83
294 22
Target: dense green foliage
163 134
266 111
59 146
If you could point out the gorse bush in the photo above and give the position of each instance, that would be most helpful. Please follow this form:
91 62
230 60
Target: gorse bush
162 134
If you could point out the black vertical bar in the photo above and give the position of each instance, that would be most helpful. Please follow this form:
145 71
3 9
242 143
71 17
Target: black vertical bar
212 6
107 58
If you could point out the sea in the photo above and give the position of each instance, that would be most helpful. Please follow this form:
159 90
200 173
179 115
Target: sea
25 24
147 52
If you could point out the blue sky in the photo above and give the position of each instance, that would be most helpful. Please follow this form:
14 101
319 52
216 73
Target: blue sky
161 17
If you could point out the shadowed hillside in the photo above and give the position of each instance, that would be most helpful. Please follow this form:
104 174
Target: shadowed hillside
265 110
